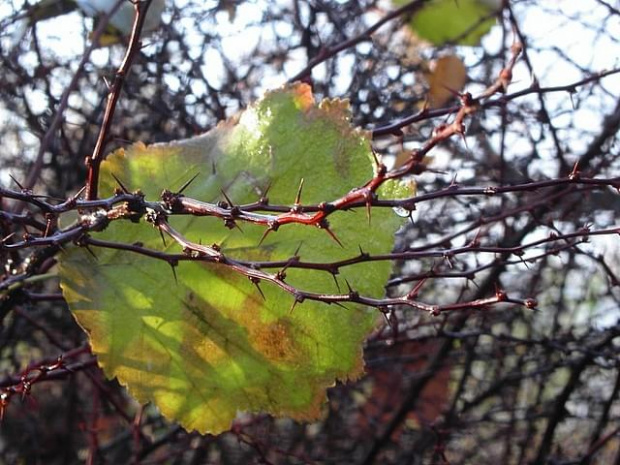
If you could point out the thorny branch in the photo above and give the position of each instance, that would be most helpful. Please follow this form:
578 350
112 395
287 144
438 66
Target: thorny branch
32 236
94 162
127 206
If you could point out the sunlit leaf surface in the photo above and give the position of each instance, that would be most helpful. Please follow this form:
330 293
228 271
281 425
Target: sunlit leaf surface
208 346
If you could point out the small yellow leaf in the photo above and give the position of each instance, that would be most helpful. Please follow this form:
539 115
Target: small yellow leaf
446 78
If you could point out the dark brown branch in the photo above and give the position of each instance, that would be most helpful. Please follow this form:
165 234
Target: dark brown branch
94 161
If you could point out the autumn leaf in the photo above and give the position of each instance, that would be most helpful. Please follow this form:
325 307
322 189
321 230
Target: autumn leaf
209 346
446 79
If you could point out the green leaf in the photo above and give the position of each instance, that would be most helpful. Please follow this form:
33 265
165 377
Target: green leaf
209 346
456 21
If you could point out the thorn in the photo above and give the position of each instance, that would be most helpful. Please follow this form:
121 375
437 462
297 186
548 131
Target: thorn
452 91
363 255
236 225
524 262
78 194
267 189
299 189
89 250
174 272
340 305
464 141
348 285
336 280
416 289
426 105
25 389
410 216
267 231
325 225
256 282
5 239
368 207
4 400
121 185
375 157
163 239
17 182
475 242
186 185
230 202
453 183
574 174
296 253
298 299
386 317
334 237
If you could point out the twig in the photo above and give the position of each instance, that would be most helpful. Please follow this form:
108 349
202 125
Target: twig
35 171
94 161
329 52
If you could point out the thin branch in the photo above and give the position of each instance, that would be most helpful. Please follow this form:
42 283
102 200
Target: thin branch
94 161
